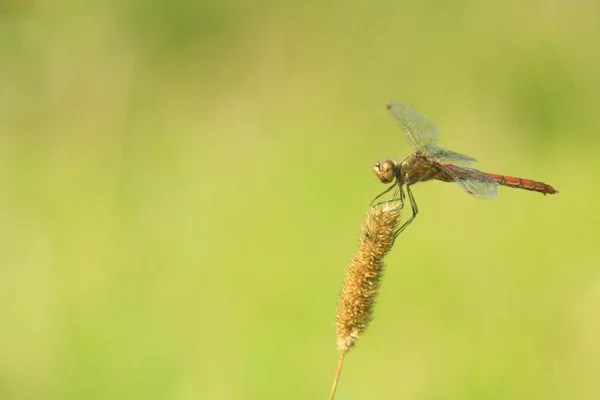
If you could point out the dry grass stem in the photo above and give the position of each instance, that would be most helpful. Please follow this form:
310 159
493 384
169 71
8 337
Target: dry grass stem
336 377
363 277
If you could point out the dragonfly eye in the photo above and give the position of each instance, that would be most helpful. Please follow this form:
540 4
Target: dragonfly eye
385 170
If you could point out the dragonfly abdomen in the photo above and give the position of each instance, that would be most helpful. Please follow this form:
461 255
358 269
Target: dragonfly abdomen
526 184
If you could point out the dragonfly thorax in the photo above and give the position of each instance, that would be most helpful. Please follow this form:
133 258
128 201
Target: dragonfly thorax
416 168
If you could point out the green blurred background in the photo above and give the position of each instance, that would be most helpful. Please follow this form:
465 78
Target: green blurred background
182 185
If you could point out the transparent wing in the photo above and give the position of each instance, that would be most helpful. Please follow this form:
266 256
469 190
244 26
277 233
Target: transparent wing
473 181
422 134
443 155
418 130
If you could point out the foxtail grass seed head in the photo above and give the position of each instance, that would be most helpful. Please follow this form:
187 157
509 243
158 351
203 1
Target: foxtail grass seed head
363 277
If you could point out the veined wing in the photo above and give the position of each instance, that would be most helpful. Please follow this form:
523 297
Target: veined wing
418 130
473 181
422 134
443 155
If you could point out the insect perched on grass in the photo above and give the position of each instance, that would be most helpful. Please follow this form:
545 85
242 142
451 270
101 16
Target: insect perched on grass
429 161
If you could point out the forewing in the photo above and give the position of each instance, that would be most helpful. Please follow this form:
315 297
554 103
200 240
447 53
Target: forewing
418 129
473 181
443 155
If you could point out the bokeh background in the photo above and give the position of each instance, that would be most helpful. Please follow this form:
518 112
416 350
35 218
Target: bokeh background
182 185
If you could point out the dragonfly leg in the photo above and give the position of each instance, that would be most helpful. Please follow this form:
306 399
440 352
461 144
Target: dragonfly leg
413 205
401 197
395 185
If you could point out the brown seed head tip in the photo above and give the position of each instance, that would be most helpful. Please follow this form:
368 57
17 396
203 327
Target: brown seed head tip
363 277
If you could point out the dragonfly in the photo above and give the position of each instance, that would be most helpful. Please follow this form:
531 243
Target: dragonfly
430 161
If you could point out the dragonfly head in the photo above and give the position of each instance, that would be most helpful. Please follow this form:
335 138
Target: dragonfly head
385 170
